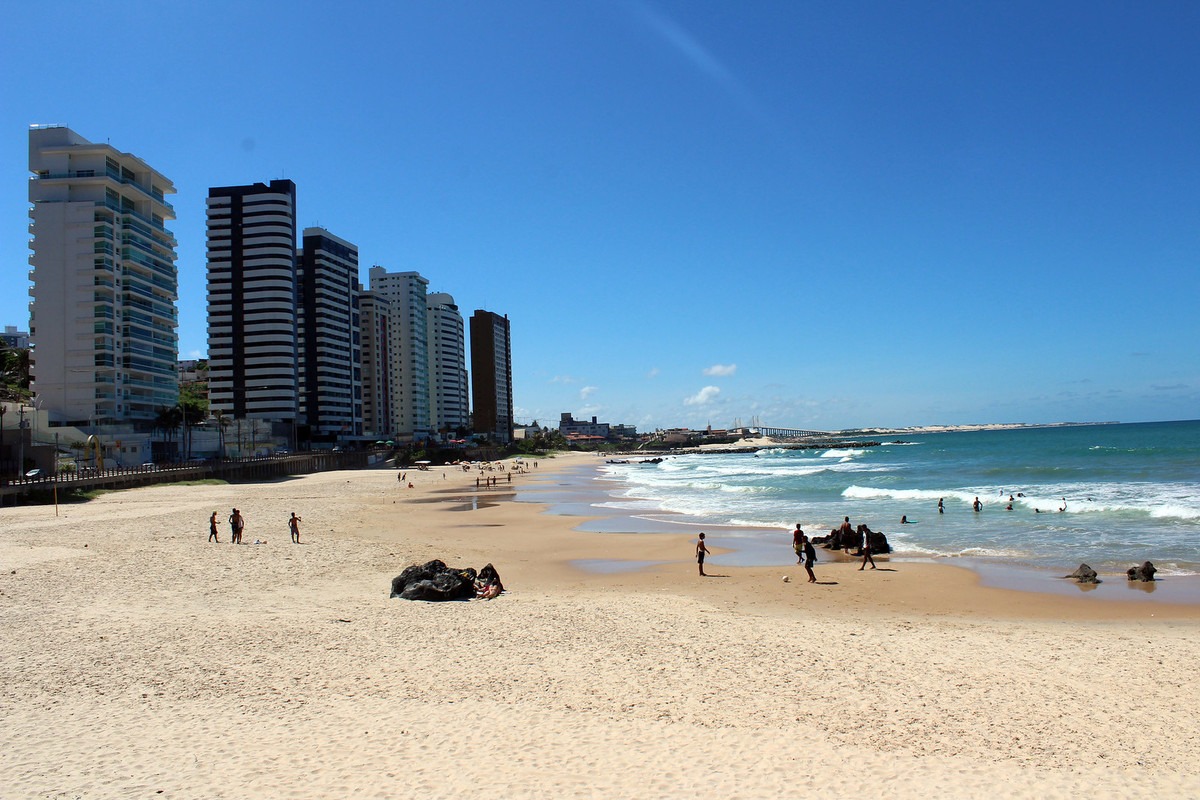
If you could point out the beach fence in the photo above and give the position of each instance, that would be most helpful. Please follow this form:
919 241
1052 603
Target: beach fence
241 470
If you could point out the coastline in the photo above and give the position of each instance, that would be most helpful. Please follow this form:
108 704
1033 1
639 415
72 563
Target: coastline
142 660
770 550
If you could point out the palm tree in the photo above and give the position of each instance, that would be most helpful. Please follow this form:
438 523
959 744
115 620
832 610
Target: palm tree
167 421
191 413
222 423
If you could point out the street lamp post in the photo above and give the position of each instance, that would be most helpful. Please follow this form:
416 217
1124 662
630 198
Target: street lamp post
21 441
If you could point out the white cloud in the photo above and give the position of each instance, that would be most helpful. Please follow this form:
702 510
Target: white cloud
721 370
653 373
702 397
562 379
587 392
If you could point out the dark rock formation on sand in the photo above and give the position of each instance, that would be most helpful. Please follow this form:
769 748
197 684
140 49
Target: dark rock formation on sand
434 581
1144 573
853 541
1084 574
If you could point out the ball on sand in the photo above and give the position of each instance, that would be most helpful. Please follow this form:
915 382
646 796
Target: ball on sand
786 579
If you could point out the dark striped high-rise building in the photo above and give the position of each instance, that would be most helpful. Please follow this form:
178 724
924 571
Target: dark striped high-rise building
252 349
331 381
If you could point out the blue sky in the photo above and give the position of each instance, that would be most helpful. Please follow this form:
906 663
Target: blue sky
817 215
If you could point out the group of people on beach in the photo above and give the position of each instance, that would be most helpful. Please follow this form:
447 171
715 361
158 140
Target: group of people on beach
806 553
237 523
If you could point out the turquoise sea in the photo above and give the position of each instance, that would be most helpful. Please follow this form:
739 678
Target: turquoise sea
1131 493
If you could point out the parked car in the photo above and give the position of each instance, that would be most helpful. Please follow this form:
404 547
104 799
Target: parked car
34 474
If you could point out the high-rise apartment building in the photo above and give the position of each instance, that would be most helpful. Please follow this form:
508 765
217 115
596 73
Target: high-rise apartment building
374 313
102 315
491 375
447 364
331 402
252 351
408 349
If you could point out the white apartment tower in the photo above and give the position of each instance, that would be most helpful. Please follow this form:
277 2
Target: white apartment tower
331 402
448 402
408 350
252 301
102 314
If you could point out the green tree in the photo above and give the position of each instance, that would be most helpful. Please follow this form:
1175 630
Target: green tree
193 409
15 366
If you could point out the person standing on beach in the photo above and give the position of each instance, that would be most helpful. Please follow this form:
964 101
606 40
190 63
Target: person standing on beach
866 551
212 528
236 524
810 557
701 552
844 534
798 540
294 525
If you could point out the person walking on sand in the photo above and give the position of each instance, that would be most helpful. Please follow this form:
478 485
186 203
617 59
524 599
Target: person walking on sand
810 557
798 539
212 528
236 524
866 552
294 525
701 552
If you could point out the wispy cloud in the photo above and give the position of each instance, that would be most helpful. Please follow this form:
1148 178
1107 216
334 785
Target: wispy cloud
653 373
699 56
721 370
702 397
587 392
563 379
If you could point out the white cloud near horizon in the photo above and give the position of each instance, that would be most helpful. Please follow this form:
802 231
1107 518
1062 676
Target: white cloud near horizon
587 392
702 397
720 370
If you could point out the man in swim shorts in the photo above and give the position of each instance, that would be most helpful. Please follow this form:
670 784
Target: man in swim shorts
701 552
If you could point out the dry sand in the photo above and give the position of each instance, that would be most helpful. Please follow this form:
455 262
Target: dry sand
140 661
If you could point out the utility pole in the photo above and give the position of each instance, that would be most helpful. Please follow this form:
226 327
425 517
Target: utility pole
21 441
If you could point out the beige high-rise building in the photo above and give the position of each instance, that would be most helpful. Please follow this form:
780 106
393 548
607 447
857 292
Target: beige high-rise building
103 313
407 350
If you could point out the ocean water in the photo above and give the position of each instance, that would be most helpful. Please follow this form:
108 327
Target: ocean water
1131 492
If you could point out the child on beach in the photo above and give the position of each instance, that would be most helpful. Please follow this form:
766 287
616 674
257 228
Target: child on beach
810 557
701 552
294 525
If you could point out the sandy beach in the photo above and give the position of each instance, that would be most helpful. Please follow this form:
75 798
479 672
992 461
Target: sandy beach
140 660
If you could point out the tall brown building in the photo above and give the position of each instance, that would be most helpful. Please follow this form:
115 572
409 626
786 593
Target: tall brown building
491 375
